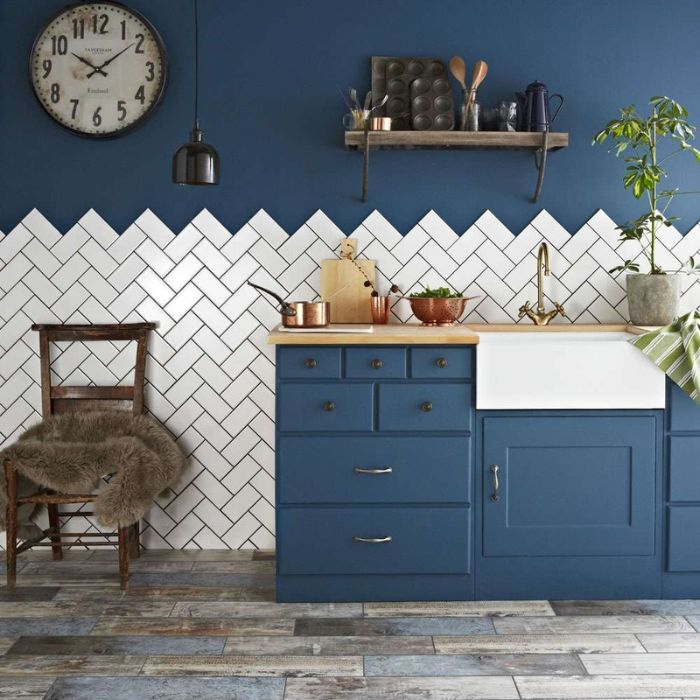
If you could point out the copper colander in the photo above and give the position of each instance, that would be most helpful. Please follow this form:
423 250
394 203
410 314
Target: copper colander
438 312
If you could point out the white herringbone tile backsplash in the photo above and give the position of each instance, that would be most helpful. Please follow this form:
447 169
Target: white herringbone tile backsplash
210 373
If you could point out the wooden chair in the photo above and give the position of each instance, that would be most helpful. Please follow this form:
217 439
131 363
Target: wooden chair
62 399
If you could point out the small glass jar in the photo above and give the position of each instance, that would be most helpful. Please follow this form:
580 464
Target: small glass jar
507 116
470 120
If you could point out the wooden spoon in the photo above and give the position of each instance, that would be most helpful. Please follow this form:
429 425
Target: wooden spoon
478 75
459 71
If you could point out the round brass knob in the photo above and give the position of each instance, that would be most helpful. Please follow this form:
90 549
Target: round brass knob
376 364
441 363
311 363
427 407
329 406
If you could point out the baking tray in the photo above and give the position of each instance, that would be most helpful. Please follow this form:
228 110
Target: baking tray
431 105
395 75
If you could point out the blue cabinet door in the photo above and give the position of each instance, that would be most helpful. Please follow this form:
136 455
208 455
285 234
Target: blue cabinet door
569 485
683 547
683 412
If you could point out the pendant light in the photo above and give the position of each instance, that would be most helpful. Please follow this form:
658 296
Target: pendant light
196 163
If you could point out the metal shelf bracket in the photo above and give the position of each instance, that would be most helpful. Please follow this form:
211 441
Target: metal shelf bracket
541 164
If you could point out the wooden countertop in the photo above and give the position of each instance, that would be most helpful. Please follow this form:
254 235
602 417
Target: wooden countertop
391 334
414 334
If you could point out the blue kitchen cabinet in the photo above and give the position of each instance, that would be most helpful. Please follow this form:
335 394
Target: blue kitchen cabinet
377 497
374 473
569 504
682 489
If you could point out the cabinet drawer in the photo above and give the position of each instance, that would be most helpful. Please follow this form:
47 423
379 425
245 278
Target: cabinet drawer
683 529
422 540
375 363
422 407
684 467
684 413
441 363
325 406
308 363
422 469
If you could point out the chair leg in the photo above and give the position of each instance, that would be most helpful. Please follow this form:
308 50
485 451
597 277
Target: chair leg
55 524
123 557
135 541
11 524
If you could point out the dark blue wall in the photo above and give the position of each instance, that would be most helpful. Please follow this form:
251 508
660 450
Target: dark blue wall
270 103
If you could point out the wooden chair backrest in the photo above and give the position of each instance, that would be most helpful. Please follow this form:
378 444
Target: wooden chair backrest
57 399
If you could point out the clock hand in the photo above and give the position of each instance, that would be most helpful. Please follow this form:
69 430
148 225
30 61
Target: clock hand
109 60
87 63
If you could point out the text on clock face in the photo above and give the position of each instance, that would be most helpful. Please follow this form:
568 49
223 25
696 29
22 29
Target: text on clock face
98 68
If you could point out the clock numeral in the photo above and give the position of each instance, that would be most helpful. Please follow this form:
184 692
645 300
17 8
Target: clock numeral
139 44
123 23
97 117
140 95
102 21
55 93
121 109
151 71
74 111
59 45
47 65
79 29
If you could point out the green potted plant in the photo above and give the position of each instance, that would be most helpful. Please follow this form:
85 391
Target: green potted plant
646 143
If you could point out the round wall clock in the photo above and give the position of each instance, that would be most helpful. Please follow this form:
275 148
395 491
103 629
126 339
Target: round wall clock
98 68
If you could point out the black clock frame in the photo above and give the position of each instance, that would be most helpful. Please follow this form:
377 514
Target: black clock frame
165 70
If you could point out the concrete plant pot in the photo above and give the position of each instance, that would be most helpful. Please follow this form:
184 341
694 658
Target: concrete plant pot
653 299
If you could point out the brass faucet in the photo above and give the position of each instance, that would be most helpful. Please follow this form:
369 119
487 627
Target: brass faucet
539 316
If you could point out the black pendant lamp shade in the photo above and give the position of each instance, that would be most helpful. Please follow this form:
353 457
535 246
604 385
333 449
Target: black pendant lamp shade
196 162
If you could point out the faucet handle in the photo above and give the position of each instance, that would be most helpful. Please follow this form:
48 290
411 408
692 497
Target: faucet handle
523 310
560 310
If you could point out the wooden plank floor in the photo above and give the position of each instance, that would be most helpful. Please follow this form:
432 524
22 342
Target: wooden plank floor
205 625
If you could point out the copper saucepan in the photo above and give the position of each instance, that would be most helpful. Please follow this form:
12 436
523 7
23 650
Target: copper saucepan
300 314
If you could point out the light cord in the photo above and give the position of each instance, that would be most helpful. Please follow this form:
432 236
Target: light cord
196 64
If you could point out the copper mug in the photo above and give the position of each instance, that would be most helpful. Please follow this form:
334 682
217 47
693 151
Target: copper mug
380 310
380 124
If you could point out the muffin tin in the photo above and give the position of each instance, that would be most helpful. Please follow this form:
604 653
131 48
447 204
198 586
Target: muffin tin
420 96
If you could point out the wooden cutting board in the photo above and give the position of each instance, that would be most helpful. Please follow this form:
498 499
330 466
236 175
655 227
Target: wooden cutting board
342 284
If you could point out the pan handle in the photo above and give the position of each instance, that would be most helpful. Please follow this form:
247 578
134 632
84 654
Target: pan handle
286 308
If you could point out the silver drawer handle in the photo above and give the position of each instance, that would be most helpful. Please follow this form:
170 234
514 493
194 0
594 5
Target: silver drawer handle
495 496
363 470
372 540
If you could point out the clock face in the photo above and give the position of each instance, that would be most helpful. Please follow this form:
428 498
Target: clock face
98 68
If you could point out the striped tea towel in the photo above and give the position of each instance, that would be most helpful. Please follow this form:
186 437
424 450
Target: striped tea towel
676 350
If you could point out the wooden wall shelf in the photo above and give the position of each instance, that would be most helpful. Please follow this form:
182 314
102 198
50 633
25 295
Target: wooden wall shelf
539 143
468 140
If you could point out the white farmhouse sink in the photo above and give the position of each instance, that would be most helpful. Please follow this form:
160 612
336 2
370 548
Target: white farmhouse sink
565 370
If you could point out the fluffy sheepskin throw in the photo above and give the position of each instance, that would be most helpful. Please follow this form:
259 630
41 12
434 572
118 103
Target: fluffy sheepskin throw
71 452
